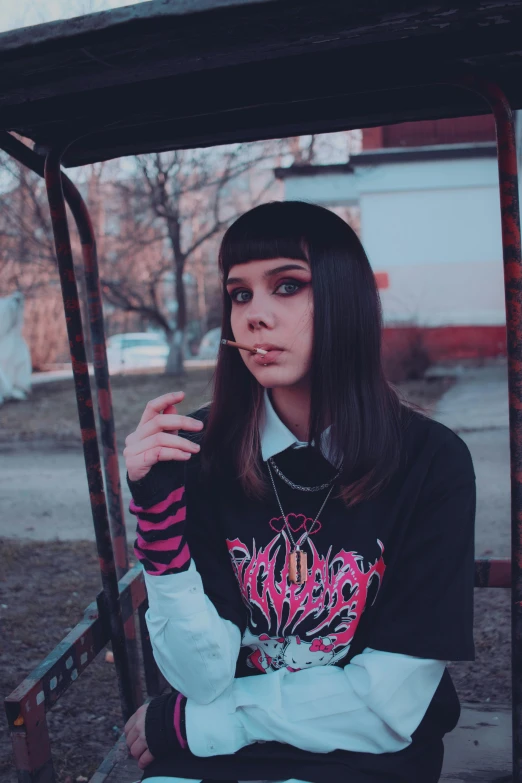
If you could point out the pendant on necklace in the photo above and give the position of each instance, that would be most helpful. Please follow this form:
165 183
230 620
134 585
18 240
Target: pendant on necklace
297 570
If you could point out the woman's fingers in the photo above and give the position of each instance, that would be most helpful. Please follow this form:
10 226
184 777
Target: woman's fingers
164 421
131 737
160 439
140 464
136 740
151 443
145 759
130 729
138 748
146 459
153 407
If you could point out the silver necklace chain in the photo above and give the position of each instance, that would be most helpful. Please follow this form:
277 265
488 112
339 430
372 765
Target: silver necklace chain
302 540
318 488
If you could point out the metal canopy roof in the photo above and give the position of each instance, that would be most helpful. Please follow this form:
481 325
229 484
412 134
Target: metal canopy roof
170 74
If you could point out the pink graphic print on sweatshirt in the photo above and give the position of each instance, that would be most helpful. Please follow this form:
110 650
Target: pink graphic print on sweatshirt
334 594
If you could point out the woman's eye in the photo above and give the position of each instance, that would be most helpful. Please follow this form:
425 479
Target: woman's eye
237 296
293 284
288 288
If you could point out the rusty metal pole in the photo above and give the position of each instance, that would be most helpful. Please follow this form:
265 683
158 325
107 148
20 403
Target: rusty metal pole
105 409
101 372
53 180
155 682
510 215
36 163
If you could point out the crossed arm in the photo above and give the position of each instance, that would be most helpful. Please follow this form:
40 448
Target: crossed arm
373 704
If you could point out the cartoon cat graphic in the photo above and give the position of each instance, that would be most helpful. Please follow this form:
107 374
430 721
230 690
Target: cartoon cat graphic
267 652
298 654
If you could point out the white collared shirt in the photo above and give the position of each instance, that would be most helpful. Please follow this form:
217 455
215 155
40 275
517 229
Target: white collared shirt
276 437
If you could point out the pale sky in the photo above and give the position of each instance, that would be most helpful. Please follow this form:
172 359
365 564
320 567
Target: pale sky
24 13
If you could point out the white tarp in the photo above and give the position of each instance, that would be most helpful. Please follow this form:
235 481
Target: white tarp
15 358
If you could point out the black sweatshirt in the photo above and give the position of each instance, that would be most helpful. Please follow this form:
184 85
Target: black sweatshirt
392 577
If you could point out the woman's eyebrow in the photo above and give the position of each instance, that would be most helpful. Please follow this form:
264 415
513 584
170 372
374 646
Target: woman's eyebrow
270 272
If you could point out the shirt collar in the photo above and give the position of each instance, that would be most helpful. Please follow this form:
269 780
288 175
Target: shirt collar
276 437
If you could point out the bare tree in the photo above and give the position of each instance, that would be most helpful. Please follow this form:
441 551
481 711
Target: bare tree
26 239
156 223
188 198
28 261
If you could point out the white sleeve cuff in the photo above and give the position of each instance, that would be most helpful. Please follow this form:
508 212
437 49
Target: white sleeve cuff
371 705
176 595
215 729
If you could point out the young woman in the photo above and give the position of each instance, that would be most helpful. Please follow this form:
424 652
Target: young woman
308 526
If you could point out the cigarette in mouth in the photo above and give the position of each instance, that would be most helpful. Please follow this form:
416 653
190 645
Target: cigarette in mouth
244 347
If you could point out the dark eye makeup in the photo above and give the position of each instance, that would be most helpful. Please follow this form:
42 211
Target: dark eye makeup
297 284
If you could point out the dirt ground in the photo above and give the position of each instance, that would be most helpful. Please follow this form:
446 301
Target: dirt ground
64 578
50 414
39 604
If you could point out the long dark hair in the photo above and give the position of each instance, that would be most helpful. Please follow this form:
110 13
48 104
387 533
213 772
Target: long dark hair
348 386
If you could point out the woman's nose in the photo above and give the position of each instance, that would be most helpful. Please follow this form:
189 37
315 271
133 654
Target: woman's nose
260 321
259 317
257 323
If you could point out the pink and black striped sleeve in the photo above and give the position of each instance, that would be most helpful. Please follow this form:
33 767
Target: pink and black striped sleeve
158 502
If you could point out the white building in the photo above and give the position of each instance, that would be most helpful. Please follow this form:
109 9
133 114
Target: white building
430 224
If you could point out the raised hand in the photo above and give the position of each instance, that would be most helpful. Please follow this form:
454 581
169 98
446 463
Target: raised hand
156 437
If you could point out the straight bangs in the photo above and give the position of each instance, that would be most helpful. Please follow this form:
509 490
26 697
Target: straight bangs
254 238
348 387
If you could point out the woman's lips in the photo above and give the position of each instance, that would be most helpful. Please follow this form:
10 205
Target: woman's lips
268 358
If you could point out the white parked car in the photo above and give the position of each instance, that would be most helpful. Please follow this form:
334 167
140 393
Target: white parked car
137 349
209 345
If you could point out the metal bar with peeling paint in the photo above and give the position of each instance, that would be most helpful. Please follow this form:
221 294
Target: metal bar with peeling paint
510 217
69 659
53 181
19 151
105 410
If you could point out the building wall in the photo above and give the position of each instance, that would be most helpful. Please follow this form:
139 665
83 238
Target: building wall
432 232
441 248
451 130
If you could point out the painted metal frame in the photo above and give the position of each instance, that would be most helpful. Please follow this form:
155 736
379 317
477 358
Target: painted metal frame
105 620
111 616
510 218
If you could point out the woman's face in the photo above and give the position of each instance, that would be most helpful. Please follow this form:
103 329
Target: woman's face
272 306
